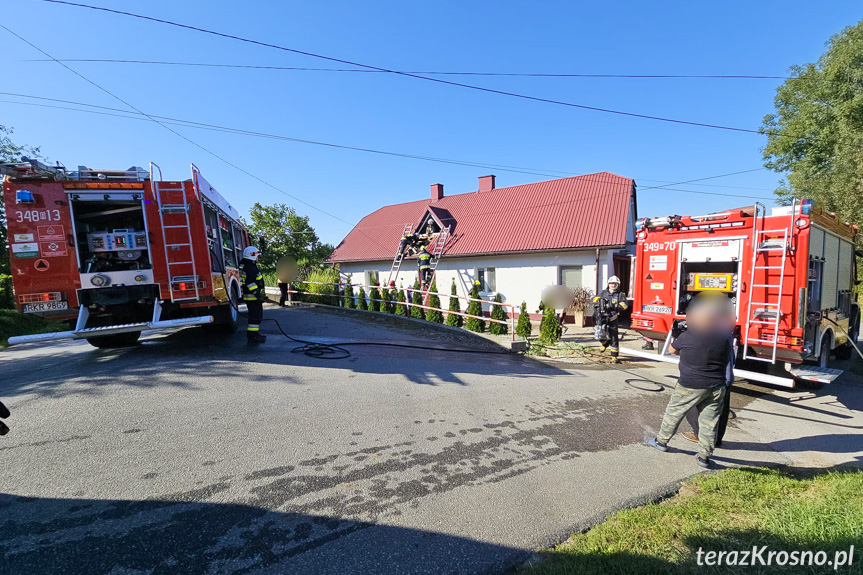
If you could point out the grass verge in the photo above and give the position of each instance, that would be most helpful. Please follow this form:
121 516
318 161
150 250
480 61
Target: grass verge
13 323
733 510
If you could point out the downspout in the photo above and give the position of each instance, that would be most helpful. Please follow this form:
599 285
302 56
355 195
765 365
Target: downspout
597 271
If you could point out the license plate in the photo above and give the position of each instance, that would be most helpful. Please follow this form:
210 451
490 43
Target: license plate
45 306
656 308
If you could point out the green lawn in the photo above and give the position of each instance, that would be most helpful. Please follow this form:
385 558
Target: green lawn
14 323
732 510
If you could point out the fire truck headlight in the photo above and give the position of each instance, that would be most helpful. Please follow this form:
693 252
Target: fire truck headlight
100 280
801 223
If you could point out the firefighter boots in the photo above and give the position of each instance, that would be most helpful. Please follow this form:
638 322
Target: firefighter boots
256 337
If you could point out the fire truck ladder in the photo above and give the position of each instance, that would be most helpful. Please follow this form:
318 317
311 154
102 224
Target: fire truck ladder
397 260
160 188
764 242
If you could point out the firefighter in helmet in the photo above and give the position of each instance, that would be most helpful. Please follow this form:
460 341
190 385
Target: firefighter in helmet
607 307
253 293
424 262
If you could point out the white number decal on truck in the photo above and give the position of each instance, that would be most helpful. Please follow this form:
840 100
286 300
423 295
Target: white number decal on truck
38 216
660 246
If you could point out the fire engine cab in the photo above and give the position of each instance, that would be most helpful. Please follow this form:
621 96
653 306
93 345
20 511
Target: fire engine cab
791 274
117 252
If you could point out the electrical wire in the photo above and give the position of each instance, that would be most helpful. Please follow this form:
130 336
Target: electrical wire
413 75
214 127
429 73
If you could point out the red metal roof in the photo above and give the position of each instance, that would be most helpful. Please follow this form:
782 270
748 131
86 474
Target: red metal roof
578 212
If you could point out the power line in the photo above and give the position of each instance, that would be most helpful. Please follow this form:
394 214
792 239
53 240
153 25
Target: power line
409 74
189 140
428 73
214 127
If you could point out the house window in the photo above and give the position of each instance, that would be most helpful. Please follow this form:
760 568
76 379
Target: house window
486 279
570 276
371 277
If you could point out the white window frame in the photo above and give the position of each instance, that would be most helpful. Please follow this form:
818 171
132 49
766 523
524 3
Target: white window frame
482 275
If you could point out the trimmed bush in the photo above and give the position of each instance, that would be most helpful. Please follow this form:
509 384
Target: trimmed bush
401 308
550 330
374 295
497 312
417 300
452 318
389 295
349 294
475 308
434 315
523 328
7 297
361 300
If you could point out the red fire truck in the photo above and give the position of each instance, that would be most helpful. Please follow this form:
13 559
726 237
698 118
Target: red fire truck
116 252
791 274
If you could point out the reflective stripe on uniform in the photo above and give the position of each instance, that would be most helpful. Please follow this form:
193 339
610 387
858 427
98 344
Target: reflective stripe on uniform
249 298
253 328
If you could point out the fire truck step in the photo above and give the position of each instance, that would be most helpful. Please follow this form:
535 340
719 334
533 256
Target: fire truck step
175 208
111 327
812 373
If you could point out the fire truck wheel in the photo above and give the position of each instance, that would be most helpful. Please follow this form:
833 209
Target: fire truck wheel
116 340
824 356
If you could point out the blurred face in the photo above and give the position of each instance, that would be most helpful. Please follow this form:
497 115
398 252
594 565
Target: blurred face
712 314
612 287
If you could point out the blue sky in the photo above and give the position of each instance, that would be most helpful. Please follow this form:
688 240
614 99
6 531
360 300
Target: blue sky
406 115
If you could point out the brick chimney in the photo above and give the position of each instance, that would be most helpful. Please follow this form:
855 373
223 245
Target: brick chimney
436 192
486 183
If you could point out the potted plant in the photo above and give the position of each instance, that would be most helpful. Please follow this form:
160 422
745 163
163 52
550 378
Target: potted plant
582 301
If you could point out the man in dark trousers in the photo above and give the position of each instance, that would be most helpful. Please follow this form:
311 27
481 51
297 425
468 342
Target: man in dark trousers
608 306
253 293
704 357
424 262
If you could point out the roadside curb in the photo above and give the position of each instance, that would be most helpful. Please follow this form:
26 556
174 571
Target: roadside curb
514 348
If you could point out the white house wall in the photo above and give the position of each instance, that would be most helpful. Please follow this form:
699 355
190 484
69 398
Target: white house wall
519 277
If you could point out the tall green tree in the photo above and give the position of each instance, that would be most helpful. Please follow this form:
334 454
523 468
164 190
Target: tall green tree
401 308
523 327
287 235
416 301
498 313
815 136
550 330
375 297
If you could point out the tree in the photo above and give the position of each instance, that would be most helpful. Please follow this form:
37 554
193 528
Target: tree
454 319
497 312
475 308
401 308
287 235
389 294
550 330
416 301
815 136
523 327
349 293
9 152
434 315
361 300
374 297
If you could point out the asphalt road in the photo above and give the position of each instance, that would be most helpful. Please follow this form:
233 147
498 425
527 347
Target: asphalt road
190 455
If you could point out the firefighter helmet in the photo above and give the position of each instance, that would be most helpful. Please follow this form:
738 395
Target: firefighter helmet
614 280
251 253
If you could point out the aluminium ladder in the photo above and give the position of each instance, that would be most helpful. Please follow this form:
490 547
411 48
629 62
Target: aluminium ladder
764 242
161 190
397 260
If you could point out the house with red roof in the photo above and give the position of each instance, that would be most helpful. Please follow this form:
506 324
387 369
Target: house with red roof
515 240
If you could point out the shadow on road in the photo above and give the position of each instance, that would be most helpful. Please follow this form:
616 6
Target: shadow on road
41 536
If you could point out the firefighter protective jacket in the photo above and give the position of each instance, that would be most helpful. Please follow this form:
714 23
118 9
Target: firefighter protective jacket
253 280
424 260
614 303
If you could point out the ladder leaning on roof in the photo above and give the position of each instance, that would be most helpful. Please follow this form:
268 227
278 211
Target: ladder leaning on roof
436 253
400 255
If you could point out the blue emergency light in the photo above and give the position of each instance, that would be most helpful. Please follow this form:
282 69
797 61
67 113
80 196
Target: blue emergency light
24 197
805 206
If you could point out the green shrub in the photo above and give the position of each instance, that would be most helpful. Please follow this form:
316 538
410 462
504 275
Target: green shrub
389 295
454 319
417 300
323 294
475 308
13 323
374 296
523 328
7 297
361 300
401 308
497 312
349 294
270 279
550 330
434 315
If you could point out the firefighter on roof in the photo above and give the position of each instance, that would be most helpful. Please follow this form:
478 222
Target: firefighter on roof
607 308
253 293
